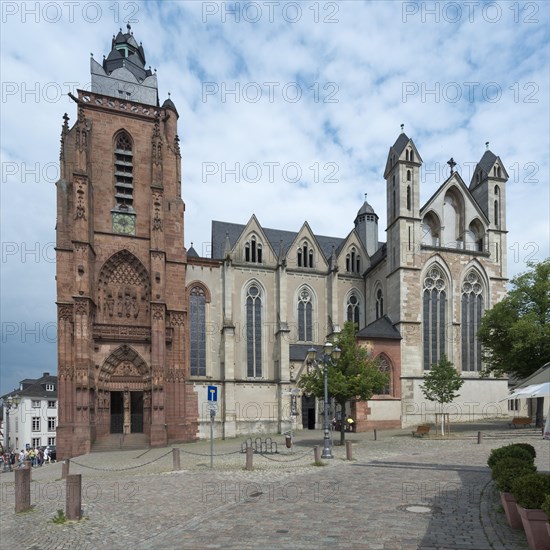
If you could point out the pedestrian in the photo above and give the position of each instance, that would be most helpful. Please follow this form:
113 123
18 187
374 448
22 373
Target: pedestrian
47 455
22 457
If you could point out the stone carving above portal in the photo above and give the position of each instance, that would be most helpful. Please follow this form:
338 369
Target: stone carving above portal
126 368
124 290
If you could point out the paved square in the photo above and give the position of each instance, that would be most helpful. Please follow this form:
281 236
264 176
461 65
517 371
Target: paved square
399 492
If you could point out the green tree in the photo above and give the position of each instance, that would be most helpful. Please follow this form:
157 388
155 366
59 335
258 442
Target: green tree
515 333
354 377
441 384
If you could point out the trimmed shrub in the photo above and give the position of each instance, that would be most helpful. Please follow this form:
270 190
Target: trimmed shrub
505 471
527 447
509 451
530 491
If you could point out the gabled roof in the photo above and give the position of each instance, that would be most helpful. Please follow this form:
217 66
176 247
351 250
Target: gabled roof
460 182
279 240
538 377
381 328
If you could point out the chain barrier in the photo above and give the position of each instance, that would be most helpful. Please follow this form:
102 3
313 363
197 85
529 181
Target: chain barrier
202 454
120 469
299 457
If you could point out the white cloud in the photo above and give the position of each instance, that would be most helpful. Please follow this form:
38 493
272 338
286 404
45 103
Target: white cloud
364 60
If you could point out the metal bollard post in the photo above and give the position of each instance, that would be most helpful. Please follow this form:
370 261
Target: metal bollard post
479 437
22 490
65 468
249 455
375 435
349 454
176 464
317 453
73 503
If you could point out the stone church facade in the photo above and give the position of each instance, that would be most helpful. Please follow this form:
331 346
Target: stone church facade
144 326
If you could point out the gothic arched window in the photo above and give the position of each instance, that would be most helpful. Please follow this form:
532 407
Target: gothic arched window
379 303
254 332
253 251
197 330
353 309
434 315
305 255
385 367
408 197
124 172
472 311
305 316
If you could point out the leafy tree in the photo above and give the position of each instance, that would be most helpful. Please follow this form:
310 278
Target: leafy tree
441 384
354 377
515 333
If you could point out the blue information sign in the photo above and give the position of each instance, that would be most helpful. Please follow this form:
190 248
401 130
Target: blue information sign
212 393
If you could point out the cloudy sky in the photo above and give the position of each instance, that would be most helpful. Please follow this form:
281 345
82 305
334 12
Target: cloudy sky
287 110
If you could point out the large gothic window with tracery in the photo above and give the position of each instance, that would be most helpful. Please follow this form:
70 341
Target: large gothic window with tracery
197 327
353 309
472 311
254 332
305 316
434 310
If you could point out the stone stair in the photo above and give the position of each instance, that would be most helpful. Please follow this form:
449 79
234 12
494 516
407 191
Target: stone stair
120 442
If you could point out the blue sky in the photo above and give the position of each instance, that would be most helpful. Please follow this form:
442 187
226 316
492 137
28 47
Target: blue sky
320 90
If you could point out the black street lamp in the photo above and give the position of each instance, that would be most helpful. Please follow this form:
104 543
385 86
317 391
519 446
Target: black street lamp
330 356
10 402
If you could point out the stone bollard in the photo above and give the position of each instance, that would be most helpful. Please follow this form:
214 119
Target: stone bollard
316 454
375 435
249 455
73 504
22 490
479 437
349 454
65 468
176 465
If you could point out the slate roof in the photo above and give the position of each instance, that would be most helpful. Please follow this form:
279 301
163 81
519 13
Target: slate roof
275 237
381 328
401 143
169 104
36 387
135 62
192 253
487 161
298 352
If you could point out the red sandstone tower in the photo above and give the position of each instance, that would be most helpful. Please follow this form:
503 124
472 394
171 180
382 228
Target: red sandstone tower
122 309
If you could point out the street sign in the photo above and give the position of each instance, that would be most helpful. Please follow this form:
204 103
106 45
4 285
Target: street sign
212 393
212 406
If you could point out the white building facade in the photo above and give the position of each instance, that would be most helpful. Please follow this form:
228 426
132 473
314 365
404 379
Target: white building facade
33 422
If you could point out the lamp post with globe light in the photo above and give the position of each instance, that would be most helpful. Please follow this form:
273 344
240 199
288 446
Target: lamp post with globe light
329 357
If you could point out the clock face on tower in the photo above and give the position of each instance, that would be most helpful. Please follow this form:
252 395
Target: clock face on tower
125 224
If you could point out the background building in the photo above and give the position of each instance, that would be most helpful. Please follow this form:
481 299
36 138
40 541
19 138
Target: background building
34 421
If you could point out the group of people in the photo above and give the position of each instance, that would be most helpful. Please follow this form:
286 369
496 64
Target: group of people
36 456
349 424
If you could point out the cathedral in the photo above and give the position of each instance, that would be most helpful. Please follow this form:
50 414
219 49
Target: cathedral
145 326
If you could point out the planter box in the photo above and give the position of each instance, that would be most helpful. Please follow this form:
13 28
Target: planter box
511 510
534 523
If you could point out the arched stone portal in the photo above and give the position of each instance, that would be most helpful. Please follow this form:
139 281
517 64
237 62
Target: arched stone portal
124 393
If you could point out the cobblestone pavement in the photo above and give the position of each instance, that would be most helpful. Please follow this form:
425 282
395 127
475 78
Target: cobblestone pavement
399 492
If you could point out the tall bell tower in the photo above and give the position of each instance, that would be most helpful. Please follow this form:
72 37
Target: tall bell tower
122 310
